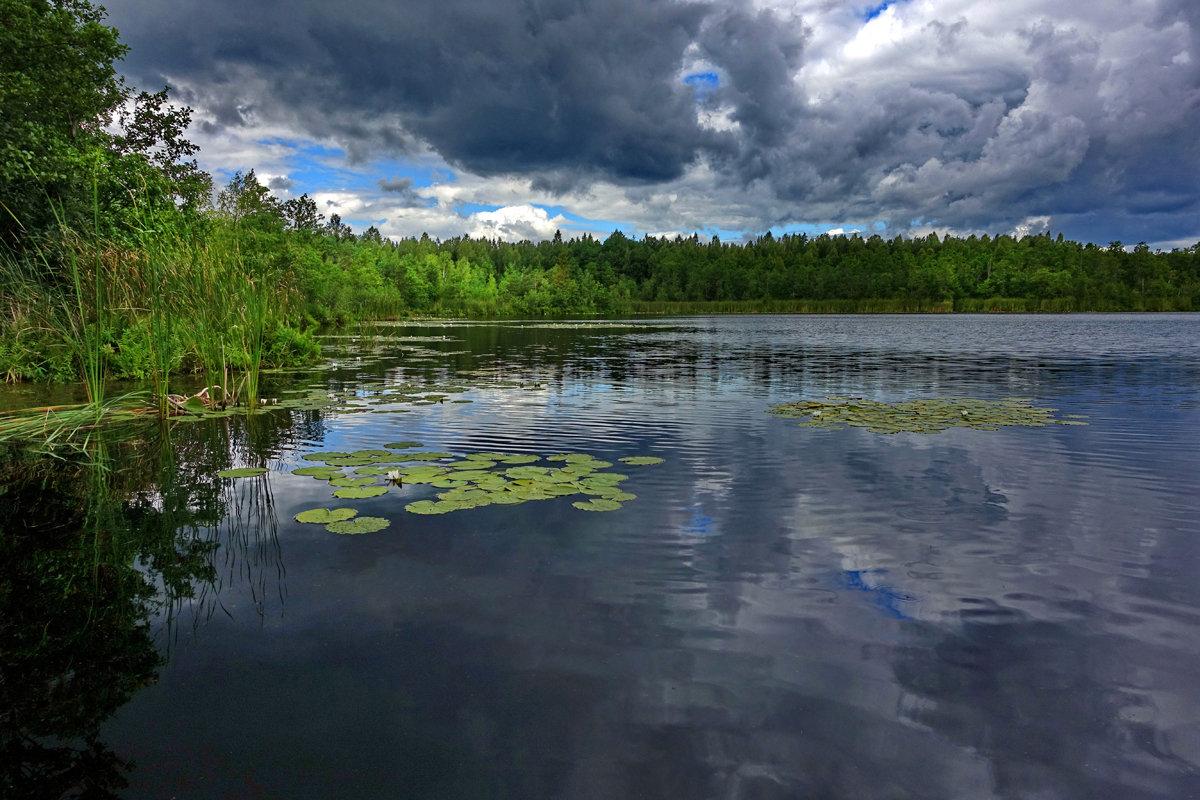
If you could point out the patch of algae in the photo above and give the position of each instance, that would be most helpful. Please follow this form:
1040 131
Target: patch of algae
932 415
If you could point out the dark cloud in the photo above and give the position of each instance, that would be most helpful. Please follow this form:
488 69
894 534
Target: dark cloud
280 182
954 124
404 191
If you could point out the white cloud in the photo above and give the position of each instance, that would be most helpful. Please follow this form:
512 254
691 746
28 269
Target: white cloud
515 223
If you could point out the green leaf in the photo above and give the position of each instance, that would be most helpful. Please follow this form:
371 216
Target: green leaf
360 525
642 460
323 516
359 492
597 504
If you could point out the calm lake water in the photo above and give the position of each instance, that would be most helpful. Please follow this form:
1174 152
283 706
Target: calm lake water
782 612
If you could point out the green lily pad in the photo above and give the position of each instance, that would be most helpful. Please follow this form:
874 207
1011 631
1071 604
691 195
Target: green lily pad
429 507
470 464
324 456
470 475
642 460
241 472
402 445
323 516
528 473
519 458
364 480
597 504
349 461
359 492
360 525
325 473
930 415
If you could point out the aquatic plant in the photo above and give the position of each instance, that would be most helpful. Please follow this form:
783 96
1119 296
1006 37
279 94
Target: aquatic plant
479 479
920 416
358 525
323 516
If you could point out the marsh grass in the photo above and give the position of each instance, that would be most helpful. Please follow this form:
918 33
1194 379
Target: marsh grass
175 299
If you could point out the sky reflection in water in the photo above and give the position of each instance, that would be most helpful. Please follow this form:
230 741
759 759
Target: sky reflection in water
782 612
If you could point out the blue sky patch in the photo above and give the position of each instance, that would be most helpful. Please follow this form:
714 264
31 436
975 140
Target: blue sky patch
874 11
467 209
703 83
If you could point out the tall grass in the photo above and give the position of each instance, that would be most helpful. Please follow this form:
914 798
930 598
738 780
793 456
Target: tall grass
186 298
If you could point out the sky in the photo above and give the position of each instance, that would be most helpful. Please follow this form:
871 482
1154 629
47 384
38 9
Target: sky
512 119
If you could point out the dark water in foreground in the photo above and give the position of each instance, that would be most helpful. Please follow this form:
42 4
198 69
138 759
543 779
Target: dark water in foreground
783 612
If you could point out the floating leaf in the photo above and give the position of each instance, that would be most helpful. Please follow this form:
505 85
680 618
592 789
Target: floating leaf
365 480
402 445
359 525
470 464
241 472
350 461
358 492
324 473
526 472
641 460
930 415
323 456
597 504
429 507
519 458
323 516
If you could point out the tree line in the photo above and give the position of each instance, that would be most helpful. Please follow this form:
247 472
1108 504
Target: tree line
114 249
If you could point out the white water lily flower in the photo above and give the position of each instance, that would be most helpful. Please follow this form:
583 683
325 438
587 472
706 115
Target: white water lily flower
394 475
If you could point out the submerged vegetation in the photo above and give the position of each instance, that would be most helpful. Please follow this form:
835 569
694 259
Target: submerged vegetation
920 416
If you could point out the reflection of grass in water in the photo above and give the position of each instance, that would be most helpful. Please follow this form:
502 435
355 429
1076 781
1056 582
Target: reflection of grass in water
920 416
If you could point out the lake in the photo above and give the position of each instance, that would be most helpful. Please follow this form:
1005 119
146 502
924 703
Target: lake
782 611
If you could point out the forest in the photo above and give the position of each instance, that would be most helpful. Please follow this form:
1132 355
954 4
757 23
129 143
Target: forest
120 258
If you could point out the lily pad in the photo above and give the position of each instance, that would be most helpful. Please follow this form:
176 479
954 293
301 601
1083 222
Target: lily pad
323 516
402 445
323 456
360 525
363 480
359 492
642 460
241 472
324 473
597 504
930 415
429 507
519 458
530 473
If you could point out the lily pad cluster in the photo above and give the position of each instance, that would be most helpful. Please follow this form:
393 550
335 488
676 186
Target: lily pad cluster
342 520
921 416
472 480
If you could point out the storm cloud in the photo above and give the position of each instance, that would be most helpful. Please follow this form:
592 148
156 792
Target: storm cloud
953 114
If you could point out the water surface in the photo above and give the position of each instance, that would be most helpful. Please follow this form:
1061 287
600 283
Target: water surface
782 612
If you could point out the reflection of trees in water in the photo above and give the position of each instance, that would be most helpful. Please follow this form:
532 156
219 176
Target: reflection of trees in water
91 554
